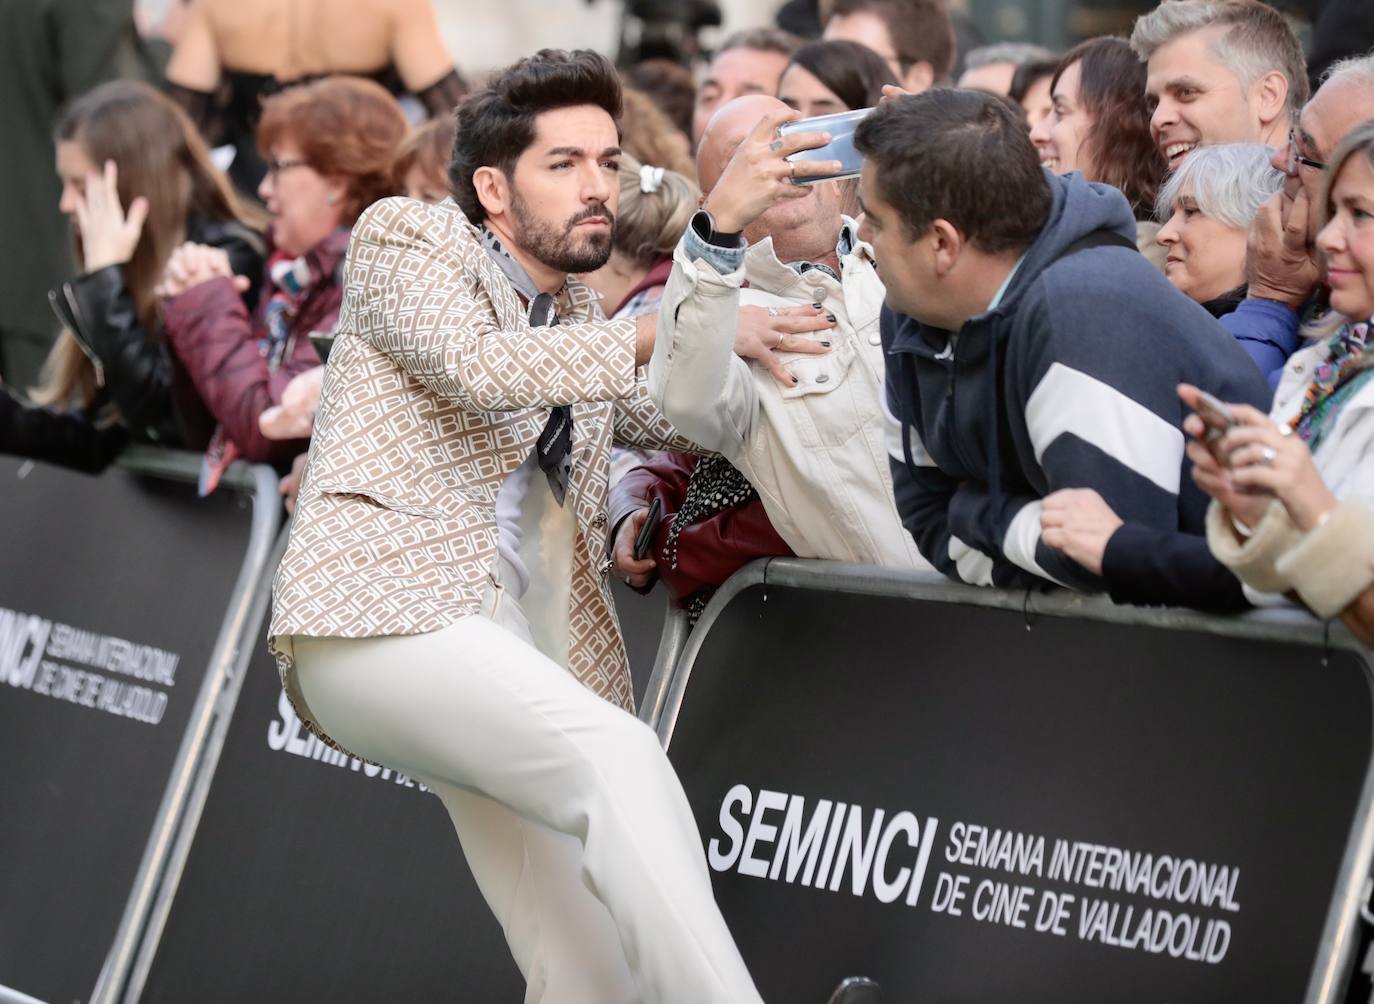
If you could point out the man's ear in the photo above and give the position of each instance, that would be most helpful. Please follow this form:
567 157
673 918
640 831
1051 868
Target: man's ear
919 77
1270 94
948 245
493 189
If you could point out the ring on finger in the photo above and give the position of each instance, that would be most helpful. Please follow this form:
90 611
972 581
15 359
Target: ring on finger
1267 456
773 311
792 171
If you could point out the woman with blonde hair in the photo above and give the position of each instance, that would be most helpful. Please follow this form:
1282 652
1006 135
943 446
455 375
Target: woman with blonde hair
137 181
656 205
1293 491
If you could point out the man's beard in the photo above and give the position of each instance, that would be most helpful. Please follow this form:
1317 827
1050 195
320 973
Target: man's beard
561 249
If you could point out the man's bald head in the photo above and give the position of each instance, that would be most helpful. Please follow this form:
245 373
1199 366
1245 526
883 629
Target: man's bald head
727 128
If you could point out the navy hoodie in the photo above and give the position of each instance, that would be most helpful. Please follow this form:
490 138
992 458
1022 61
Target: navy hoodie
1069 382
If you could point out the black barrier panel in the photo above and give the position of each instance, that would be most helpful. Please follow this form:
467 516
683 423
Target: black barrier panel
312 877
112 592
1000 758
641 624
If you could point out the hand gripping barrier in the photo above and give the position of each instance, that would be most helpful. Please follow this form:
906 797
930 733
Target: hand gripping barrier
974 794
124 605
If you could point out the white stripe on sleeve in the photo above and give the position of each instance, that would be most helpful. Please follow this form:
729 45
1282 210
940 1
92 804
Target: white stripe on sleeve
892 436
1069 400
1023 534
973 566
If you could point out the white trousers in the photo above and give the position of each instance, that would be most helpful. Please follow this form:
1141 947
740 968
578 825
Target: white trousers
573 822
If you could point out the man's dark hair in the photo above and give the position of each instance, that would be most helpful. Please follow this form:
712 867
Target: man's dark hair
853 72
496 124
961 156
921 30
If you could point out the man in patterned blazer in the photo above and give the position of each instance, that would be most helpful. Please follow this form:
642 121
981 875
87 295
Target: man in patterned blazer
397 639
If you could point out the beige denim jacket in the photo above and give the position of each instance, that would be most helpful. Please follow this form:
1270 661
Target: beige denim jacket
815 451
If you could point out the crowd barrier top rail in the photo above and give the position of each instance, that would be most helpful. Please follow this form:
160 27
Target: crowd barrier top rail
1335 958
258 483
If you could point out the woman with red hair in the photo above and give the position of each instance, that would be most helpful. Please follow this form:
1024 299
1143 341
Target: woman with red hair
330 146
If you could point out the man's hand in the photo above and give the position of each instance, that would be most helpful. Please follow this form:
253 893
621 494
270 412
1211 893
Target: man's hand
192 264
759 174
762 332
1280 264
637 573
1078 522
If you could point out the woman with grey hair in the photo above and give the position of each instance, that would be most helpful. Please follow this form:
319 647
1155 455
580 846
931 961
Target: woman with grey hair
1206 208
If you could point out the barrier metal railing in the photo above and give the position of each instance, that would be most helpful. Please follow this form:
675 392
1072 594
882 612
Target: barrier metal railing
1336 954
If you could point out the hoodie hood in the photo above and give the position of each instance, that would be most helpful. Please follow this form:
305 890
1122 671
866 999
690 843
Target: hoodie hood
1077 208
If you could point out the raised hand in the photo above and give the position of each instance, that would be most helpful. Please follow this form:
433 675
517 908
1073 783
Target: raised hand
109 235
759 174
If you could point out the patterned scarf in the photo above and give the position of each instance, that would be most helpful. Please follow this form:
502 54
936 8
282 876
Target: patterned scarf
1335 381
714 487
292 281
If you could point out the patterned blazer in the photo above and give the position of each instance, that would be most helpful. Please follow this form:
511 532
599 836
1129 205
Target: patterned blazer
436 390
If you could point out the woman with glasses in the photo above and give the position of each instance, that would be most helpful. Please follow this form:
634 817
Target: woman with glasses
329 146
137 181
1293 510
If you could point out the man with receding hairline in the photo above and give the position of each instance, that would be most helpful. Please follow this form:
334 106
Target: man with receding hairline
809 439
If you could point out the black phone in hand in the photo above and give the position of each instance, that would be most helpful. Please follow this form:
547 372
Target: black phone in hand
648 530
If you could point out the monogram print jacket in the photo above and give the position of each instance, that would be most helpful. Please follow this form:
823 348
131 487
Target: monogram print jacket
436 390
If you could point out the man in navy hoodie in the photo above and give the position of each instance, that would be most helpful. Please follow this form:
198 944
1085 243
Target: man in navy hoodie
1032 362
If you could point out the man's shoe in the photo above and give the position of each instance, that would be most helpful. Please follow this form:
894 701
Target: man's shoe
857 990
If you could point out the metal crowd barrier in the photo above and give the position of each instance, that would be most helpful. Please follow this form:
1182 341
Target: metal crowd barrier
892 724
118 581
726 681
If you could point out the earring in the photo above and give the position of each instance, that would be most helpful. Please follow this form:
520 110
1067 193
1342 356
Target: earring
331 198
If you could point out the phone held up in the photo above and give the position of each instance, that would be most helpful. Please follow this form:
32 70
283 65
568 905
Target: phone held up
645 538
841 128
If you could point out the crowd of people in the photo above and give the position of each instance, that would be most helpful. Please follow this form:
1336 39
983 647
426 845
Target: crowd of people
1096 321
823 421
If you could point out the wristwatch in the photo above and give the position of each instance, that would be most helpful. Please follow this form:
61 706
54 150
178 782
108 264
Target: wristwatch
704 225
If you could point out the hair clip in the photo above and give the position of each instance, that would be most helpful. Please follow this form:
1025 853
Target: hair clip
650 178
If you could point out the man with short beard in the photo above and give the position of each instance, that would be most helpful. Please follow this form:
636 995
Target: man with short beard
394 621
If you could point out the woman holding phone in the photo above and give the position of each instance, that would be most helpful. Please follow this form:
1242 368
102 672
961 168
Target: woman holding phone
1293 491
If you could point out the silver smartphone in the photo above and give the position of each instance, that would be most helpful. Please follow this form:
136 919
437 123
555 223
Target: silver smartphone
1216 414
841 128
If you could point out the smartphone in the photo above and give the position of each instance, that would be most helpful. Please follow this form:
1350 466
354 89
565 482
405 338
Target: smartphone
841 128
323 342
1216 414
648 530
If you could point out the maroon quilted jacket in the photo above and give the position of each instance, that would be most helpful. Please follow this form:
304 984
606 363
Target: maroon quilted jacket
216 340
708 552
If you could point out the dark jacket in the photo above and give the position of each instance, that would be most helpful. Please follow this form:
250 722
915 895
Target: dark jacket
215 338
709 551
143 395
51 52
1069 382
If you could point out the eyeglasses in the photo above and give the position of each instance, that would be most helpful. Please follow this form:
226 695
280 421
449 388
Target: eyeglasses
1295 158
276 167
